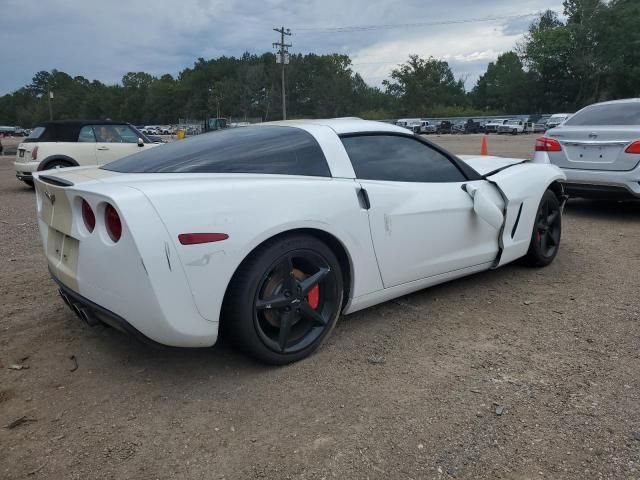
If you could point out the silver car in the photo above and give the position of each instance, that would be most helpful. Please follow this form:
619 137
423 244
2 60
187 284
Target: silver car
598 149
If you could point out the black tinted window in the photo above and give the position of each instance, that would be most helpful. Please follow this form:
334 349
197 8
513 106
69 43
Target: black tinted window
268 149
611 114
399 159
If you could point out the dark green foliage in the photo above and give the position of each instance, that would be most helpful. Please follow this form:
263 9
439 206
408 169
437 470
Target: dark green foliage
245 87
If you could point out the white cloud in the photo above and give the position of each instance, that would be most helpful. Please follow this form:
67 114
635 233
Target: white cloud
105 39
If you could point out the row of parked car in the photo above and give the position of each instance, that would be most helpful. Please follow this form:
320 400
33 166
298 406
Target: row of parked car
13 131
512 126
598 147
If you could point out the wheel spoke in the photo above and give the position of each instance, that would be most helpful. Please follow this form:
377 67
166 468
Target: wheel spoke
286 320
554 234
552 218
543 243
290 283
308 312
550 240
308 283
275 302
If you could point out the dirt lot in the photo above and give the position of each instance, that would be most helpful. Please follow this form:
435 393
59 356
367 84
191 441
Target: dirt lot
407 389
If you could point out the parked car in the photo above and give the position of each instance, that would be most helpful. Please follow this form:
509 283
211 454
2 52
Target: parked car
492 125
445 126
598 148
7 131
171 243
513 127
458 127
471 126
426 127
556 120
412 124
148 130
70 143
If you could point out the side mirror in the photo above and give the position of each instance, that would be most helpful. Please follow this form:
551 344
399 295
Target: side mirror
140 142
484 207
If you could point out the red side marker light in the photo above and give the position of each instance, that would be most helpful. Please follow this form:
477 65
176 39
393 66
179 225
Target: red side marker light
195 238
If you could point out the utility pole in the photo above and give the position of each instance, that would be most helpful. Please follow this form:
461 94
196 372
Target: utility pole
50 97
282 56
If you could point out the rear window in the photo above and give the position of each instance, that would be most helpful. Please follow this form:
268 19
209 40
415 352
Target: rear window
35 134
611 114
267 150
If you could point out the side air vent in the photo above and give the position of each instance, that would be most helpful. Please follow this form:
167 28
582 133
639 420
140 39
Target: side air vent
515 224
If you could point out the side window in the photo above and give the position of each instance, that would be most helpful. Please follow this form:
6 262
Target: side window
126 134
398 159
106 134
86 135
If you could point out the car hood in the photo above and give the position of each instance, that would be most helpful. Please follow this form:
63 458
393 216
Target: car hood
486 164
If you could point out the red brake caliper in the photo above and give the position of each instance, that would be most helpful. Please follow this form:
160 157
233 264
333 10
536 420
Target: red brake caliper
313 297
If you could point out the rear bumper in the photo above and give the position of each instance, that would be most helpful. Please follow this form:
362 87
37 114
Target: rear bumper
92 313
137 284
24 170
598 183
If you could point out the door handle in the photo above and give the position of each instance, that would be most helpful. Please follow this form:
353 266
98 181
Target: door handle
363 199
103 148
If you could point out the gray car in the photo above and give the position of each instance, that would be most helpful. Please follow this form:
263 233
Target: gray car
598 149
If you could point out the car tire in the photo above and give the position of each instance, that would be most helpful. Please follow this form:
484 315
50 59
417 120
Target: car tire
59 163
273 310
546 233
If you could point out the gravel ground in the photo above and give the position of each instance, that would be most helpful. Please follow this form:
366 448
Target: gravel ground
515 373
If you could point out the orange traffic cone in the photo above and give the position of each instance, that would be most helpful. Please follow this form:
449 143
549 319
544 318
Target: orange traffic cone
484 146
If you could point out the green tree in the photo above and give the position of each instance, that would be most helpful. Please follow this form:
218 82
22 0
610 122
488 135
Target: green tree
503 87
421 86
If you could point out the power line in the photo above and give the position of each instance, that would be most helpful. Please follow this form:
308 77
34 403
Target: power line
390 26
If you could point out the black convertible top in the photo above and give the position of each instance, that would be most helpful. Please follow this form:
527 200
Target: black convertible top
66 130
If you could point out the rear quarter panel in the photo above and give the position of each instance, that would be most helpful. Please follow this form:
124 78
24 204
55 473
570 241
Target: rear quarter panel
252 209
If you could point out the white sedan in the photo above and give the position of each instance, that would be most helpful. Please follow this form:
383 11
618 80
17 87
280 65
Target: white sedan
270 232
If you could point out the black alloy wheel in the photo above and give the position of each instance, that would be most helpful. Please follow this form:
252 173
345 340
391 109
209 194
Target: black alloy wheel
285 299
547 231
295 302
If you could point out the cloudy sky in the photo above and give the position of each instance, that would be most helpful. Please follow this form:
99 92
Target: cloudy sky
103 40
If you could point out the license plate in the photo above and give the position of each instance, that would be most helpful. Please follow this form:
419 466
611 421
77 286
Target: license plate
21 153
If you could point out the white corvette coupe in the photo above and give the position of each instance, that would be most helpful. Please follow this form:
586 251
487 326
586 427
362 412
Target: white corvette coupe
270 232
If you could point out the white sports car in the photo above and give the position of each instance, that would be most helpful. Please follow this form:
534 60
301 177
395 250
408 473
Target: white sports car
270 232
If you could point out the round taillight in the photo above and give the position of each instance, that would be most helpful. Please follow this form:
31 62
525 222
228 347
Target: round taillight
88 216
112 221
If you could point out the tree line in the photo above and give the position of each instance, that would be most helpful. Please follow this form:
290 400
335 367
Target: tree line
592 53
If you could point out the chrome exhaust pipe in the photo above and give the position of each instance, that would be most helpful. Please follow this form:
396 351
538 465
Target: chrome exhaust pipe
85 314
65 299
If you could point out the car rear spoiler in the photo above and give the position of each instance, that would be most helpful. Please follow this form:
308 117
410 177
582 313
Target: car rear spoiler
59 182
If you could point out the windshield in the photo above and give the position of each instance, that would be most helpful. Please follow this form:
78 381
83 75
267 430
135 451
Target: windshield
609 114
